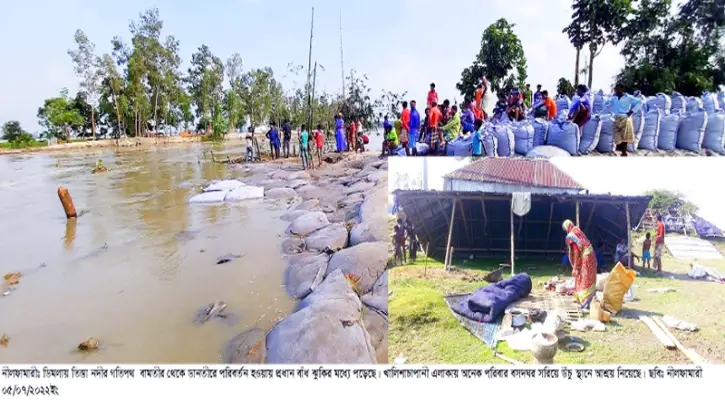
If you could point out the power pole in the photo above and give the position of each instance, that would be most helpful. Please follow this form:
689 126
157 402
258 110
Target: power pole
342 59
309 67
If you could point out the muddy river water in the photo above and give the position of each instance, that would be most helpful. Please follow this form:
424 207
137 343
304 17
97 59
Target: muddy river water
135 267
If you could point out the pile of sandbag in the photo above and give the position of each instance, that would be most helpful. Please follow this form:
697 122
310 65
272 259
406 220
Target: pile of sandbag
565 135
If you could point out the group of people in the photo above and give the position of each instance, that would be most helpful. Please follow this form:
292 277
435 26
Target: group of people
309 145
350 137
584 260
405 241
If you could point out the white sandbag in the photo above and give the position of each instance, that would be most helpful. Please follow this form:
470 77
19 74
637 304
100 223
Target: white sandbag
651 130
709 102
563 103
564 134
664 103
691 131
541 129
243 193
547 152
667 136
679 103
421 148
523 136
606 134
209 197
598 102
225 185
715 132
693 104
506 141
590 135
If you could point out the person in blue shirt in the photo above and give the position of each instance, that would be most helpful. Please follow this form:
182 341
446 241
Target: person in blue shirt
468 119
287 134
581 109
477 148
414 123
623 105
273 136
537 95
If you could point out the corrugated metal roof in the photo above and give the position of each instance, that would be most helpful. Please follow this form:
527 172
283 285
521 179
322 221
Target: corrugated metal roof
534 172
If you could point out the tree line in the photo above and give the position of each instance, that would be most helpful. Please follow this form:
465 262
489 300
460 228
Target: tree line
664 51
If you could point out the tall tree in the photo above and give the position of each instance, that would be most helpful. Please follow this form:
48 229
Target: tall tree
358 105
599 22
501 59
564 87
205 78
576 37
12 131
89 67
59 116
112 90
255 91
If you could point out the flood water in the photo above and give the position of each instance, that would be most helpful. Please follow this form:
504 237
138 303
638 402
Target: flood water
135 268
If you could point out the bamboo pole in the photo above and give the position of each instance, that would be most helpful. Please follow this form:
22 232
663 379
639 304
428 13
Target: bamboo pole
450 234
577 215
513 272
629 237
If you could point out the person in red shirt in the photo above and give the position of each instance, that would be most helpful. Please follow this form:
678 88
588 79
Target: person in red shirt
659 242
434 119
405 131
432 95
320 144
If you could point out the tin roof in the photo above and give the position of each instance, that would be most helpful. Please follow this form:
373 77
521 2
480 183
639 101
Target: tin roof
532 172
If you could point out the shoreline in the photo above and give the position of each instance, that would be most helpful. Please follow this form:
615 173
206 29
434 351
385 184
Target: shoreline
336 252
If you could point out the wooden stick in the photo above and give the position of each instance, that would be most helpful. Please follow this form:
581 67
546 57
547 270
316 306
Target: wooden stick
690 353
67 202
661 336
508 359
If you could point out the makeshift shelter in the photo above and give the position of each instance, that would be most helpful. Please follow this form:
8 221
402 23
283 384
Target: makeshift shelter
482 223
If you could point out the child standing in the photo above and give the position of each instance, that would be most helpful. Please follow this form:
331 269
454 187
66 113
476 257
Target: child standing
250 150
477 148
399 243
319 143
646 255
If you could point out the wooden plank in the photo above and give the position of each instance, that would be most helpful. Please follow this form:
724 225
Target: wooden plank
508 359
690 353
661 336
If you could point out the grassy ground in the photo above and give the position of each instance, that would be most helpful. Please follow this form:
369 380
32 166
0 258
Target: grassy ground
423 330
33 144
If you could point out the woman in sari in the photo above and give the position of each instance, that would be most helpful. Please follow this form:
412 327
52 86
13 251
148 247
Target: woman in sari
583 263
339 133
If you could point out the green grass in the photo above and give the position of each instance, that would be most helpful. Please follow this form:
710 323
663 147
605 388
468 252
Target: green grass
33 144
423 329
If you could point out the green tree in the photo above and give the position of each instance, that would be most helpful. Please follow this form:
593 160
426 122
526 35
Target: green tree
59 116
664 201
81 105
358 105
564 87
113 101
89 67
501 59
255 91
12 131
390 103
576 37
205 79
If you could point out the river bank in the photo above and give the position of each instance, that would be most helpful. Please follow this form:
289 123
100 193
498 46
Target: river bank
336 252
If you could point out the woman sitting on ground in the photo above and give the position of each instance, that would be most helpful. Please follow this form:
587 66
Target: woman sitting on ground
583 263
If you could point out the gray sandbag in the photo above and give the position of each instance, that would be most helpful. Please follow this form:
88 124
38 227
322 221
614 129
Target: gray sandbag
365 260
304 272
664 103
281 193
309 192
378 297
299 175
721 99
590 134
547 152
505 140
375 199
308 223
541 130
667 135
293 245
651 130
296 183
679 103
563 103
715 132
361 186
710 103
606 134
293 214
333 287
638 126
369 231
249 347
377 327
564 134
523 136
691 131
308 205
598 102
490 141
336 217
693 104
281 174
352 199
378 177
333 237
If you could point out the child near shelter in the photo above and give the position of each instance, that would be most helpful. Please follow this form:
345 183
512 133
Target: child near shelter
646 255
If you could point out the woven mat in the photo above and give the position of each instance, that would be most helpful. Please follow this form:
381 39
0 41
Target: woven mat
485 331
550 301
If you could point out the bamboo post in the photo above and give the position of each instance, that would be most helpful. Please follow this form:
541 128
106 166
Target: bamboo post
577 215
629 237
513 272
67 202
450 234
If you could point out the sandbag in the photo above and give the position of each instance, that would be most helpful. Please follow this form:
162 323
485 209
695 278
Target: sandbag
366 260
308 223
693 104
678 103
664 103
243 193
460 147
490 141
333 237
651 103
303 272
598 102
523 137
541 130
547 152
709 102
721 99
225 185
281 193
209 197
563 103
422 148
715 132
638 125
506 141
619 282
650 131
590 135
691 130
667 136
606 134
564 134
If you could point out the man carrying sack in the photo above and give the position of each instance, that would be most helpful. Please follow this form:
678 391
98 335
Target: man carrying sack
623 106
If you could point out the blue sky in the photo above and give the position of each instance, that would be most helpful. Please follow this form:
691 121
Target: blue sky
400 44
